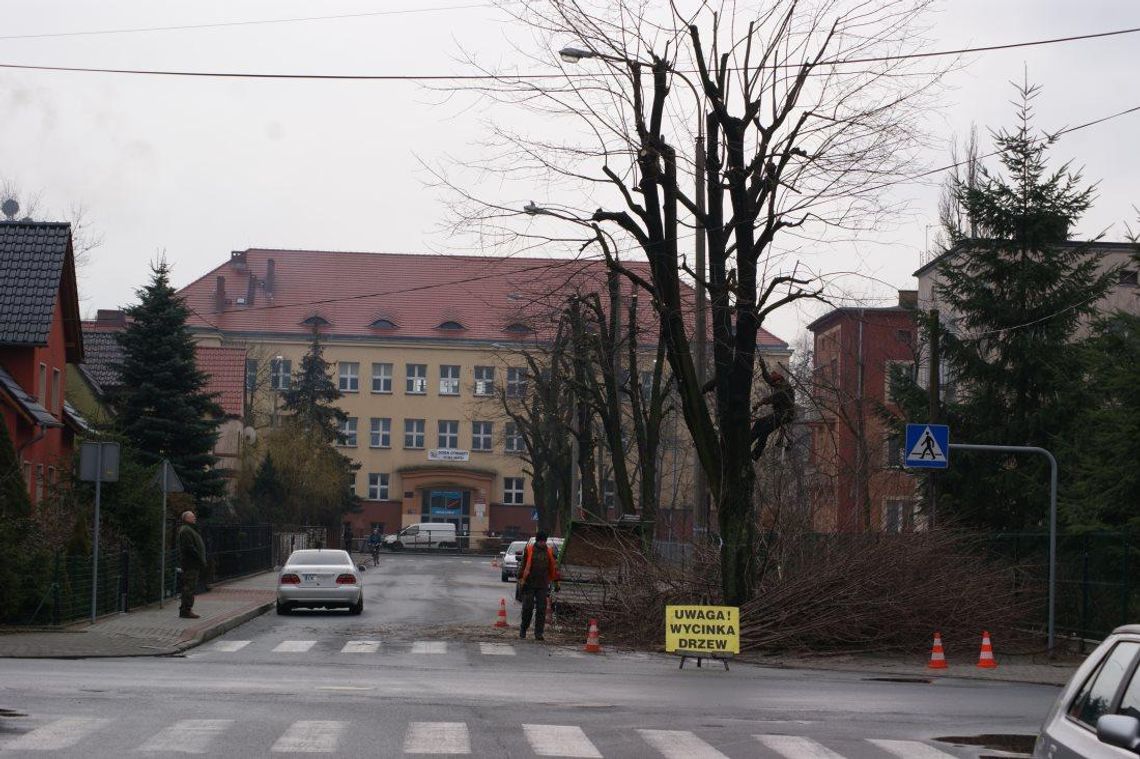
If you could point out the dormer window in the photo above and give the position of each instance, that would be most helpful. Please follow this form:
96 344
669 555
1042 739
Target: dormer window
316 321
384 324
518 328
452 326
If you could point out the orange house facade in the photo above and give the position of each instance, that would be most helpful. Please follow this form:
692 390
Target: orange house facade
39 336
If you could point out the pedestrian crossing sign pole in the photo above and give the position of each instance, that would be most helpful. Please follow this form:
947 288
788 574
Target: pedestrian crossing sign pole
927 446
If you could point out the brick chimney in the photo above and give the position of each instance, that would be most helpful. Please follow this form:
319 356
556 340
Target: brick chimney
220 296
237 258
251 290
908 298
111 317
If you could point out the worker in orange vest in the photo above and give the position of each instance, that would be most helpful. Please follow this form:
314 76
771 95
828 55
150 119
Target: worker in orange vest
539 570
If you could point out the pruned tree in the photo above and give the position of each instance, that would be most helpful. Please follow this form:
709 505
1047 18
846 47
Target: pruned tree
802 112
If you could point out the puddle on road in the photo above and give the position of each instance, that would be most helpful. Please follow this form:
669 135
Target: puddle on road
1015 744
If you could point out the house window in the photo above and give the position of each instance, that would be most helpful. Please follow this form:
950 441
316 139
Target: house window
417 379
609 494
448 434
380 433
381 378
898 515
349 376
250 375
1128 277
513 490
516 382
42 387
890 369
449 380
56 397
347 436
280 374
904 336
514 440
484 380
378 486
893 451
413 433
481 436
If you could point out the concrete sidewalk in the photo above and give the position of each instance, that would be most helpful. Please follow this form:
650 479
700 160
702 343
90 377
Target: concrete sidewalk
150 631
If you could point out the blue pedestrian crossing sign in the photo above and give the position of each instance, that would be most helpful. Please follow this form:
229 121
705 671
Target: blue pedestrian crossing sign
927 446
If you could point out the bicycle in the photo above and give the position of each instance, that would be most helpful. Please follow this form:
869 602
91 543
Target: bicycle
375 554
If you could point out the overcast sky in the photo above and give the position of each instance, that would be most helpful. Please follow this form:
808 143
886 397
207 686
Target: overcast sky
200 167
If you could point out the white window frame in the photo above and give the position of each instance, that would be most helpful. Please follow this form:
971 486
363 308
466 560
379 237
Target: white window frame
381 377
347 434
380 432
514 491
450 437
348 376
482 436
414 432
484 381
449 379
513 441
378 486
908 515
415 379
281 374
516 382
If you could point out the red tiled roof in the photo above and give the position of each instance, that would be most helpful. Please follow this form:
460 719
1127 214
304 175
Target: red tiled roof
225 368
418 293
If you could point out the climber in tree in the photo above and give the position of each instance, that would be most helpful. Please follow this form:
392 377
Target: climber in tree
782 399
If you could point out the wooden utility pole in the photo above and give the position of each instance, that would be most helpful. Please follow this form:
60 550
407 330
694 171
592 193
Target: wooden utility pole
935 391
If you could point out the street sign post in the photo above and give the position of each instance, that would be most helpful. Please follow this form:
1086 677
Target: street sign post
98 463
927 446
167 479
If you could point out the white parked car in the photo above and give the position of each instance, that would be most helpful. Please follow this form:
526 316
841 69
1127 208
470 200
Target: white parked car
320 579
514 552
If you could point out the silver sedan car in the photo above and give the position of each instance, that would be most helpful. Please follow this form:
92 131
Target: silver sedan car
1098 713
320 578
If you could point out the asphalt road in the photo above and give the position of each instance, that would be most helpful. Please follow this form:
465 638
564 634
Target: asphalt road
393 682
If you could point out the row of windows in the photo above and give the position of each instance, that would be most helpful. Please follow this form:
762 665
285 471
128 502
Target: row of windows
512 488
447 434
50 397
381 378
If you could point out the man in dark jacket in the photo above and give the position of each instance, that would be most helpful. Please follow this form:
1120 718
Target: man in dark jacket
192 560
782 399
537 570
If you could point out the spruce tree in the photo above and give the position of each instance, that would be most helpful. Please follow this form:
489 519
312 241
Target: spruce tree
164 410
312 394
268 491
1018 294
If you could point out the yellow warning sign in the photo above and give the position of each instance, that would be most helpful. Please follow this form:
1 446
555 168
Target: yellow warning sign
698 630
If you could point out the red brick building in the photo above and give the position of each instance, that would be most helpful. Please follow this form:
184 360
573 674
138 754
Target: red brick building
851 448
39 336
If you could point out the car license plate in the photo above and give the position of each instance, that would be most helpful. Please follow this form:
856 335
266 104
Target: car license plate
309 578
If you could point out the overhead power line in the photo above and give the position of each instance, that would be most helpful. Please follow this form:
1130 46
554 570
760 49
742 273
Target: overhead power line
553 74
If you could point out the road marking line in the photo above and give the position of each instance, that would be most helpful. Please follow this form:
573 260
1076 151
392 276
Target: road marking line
567 653
910 749
560 740
188 736
294 646
797 747
496 649
430 647
680 744
229 646
437 738
311 736
60 733
361 647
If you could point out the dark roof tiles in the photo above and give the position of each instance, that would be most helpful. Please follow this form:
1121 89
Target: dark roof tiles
32 259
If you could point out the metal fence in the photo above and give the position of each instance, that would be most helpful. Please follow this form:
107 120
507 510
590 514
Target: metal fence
286 540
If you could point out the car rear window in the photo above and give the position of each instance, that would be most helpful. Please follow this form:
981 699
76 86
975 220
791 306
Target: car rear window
1095 696
317 558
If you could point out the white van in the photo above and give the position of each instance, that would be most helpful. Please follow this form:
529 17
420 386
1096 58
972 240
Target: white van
423 535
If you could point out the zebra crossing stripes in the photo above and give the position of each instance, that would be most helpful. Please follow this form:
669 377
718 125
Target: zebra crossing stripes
796 747
56 735
680 744
909 749
361 647
496 649
229 646
188 736
294 646
429 647
560 740
310 736
437 738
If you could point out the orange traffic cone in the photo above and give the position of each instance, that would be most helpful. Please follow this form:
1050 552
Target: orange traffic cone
592 644
502 620
986 658
937 656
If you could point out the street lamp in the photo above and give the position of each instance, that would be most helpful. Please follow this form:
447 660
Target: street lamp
575 54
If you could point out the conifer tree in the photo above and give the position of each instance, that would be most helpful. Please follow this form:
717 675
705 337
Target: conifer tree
312 394
268 491
164 410
1018 293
